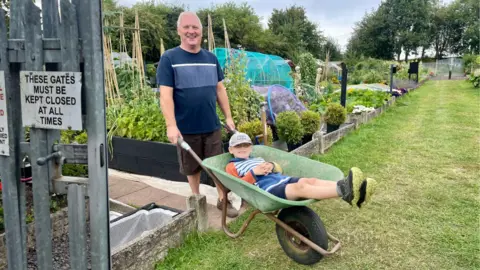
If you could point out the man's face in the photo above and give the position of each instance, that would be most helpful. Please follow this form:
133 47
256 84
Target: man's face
189 31
242 150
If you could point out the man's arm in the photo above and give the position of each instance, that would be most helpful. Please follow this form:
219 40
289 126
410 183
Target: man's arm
168 111
167 106
165 80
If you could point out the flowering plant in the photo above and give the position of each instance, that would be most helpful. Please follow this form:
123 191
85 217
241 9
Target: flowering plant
357 109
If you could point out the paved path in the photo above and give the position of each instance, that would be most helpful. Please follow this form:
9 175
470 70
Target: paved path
129 189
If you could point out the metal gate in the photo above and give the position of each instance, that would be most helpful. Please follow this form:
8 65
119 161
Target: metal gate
447 68
52 79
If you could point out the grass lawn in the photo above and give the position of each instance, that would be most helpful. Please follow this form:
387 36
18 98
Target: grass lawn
424 152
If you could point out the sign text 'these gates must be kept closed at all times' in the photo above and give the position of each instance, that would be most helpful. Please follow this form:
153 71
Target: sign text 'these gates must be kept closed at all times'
51 100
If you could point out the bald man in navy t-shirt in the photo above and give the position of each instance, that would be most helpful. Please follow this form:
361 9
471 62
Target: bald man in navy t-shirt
190 80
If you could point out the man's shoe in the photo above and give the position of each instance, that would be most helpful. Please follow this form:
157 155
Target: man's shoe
231 212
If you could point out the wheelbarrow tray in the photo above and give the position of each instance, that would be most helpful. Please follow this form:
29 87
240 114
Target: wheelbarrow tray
292 165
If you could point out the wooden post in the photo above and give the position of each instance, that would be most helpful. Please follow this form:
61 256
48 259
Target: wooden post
264 123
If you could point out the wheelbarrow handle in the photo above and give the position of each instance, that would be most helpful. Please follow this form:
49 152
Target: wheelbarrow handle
183 144
233 131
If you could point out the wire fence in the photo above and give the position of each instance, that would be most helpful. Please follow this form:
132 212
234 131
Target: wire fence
446 68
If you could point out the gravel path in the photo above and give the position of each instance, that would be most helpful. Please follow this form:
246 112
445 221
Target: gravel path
60 245
61 253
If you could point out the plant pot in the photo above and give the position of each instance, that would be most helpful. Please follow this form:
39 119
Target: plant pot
307 138
274 133
332 128
148 158
293 146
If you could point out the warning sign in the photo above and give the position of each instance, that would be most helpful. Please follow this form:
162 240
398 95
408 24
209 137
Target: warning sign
51 99
4 146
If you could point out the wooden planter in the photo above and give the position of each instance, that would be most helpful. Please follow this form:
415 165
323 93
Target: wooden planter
148 158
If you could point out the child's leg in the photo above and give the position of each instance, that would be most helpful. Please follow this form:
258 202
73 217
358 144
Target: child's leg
354 189
305 190
317 182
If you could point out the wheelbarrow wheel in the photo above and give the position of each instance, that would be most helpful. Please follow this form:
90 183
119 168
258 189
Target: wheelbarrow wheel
306 222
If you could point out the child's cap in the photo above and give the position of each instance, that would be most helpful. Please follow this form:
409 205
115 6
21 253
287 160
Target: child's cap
239 138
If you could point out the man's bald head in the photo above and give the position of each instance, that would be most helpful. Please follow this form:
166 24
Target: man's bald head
189 14
189 28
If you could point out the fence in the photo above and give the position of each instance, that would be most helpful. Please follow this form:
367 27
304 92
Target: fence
50 81
443 67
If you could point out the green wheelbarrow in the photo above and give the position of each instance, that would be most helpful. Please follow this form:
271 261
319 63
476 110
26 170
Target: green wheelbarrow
299 229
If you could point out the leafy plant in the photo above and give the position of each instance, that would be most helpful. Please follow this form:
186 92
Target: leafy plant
139 119
129 84
74 137
289 127
244 101
308 68
365 97
475 78
372 76
469 62
335 114
310 121
151 70
255 128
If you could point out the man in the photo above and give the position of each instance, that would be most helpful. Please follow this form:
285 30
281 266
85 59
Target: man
190 80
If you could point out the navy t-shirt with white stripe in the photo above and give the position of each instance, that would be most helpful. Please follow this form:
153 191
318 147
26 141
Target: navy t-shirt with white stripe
194 78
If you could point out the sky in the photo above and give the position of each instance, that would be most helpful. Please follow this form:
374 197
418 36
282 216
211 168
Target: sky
335 19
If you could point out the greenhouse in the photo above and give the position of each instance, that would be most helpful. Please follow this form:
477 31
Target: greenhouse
262 69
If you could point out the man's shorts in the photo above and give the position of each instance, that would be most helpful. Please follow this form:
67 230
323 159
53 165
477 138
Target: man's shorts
204 145
279 189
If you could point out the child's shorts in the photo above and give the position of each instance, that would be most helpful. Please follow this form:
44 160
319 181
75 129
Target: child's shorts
279 189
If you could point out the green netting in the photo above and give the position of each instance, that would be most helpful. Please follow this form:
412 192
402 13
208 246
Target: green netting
262 69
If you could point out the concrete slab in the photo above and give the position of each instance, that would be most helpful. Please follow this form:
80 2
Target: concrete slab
176 187
113 180
174 201
127 189
144 196
124 187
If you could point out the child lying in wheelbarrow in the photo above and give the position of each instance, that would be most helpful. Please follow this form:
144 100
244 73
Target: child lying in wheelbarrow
355 189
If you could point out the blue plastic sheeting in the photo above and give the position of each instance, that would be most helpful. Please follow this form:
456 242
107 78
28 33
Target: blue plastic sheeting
262 69
279 99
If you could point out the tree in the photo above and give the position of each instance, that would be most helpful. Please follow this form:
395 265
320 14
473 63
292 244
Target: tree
243 25
332 46
466 16
406 26
158 21
446 29
372 37
297 31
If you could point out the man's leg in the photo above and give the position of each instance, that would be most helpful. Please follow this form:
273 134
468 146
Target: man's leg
188 165
213 146
194 182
